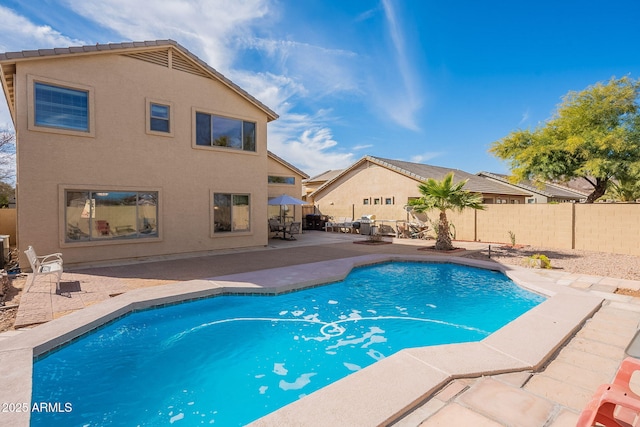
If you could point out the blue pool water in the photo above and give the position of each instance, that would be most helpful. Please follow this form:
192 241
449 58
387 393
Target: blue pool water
228 360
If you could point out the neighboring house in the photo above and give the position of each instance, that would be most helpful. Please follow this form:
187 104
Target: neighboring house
383 187
547 192
284 178
133 150
310 185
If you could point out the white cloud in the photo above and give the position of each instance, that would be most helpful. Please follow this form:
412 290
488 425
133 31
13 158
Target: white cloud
303 141
208 27
401 104
424 157
525 117
18 33
324 71
361 147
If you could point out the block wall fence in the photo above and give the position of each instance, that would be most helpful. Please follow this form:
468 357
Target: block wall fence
8 224
613 228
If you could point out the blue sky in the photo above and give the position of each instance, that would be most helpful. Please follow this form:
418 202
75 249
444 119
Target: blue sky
417 80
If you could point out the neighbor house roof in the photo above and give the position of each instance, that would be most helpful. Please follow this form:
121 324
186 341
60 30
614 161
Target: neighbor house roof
155 51
324 176
548 189
421 172
287 164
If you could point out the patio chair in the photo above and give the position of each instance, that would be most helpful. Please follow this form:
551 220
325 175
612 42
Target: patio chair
294 228
44 265
275 227
614 405
102 227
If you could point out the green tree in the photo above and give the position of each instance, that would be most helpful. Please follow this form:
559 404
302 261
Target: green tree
445 195
626 186
594 134
7 192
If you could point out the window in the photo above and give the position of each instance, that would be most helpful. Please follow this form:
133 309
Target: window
365 201
231 212
110 215
388 201
217 131
61 107
376 201
159 118
289 180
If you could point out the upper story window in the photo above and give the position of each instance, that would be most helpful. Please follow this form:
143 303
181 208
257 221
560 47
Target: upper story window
289 180
217 131
159 117
61 107
159 121
56 106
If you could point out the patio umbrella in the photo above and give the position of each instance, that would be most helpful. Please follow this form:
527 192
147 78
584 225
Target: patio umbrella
285 200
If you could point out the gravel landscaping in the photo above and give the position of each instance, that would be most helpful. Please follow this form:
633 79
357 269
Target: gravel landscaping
572 261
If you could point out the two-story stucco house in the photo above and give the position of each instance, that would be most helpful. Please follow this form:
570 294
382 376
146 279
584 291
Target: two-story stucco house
134 150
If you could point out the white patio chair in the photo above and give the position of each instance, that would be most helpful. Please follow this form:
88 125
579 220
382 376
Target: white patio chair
44 265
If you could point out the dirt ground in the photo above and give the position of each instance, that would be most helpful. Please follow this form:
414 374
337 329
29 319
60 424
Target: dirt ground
10 301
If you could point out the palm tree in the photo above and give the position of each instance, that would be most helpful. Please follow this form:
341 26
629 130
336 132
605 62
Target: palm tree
443 195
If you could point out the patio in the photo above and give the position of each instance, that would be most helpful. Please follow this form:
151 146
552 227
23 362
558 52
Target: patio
553 396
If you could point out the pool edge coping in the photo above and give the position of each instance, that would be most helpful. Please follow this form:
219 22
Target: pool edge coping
18 353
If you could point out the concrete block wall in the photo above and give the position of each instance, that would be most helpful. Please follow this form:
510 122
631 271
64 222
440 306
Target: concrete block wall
539 225
613 228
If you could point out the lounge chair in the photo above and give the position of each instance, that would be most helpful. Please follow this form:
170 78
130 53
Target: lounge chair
614 405
44 265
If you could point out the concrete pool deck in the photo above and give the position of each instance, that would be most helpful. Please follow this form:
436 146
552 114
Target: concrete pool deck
445 385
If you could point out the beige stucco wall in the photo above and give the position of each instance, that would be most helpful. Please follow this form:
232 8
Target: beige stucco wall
122 156
344 198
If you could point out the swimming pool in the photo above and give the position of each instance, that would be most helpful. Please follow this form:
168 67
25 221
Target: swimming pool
231 359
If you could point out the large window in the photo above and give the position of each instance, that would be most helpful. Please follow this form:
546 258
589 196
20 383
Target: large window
108 215
217 131
61 107
231 212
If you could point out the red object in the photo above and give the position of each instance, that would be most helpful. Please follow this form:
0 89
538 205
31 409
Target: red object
614 405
